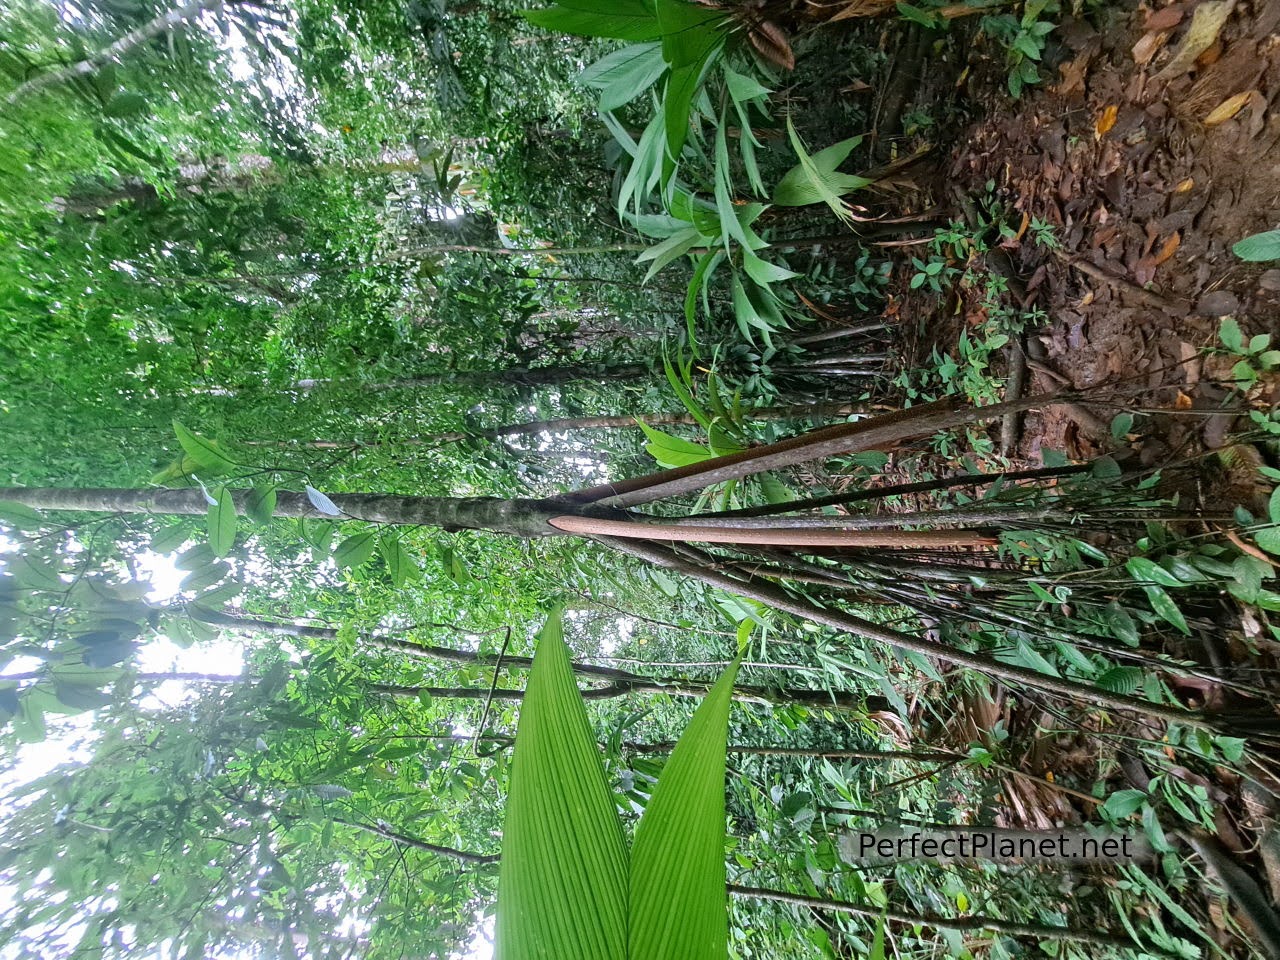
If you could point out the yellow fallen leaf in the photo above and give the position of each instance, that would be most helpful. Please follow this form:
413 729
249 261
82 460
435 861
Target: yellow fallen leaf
1169 248
1106 121
1026 219
1227 109
1185 186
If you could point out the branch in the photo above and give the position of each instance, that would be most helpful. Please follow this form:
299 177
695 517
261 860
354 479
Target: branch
161 24
877 433
994 924
777 598
623 681
387 833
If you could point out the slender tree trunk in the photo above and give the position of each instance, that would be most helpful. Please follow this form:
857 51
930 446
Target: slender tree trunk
511 377
878 433
622 683
572 424
517 518
535 518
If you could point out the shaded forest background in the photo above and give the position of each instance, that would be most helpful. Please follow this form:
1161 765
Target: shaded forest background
282 255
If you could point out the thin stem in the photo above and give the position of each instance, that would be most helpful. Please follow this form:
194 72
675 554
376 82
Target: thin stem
779 599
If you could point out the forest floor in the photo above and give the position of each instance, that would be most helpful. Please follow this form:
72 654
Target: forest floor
1154 148
1128 157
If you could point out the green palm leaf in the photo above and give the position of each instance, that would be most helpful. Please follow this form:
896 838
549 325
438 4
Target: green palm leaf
562 886
678 902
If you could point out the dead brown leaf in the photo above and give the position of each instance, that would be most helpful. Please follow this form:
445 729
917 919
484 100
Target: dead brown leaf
1165 19
1148 46
1210 56
860 8
772 44
1257 113
1073 73
1169 248
1206 23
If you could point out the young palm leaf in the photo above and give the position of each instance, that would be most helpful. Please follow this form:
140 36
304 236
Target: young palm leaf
678 909
565 891
562 885
815 178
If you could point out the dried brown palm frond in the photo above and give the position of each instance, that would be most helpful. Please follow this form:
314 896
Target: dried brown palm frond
848 9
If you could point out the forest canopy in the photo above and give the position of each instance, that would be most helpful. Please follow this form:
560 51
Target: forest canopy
566 482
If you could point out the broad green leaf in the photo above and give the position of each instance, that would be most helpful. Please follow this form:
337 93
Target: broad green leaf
689 31
1123 803
624 20
762 271
679 909
1121 624
169 539
625 74
755 307
1268 538
672 248
1166 607
80 696
683 82
203 453
774 490
1260 246
205 576
743 88
105 648
19 516
562 884
221 522
354 551
646 167
1230 334
1145 571
400 563
260 505
671 451
33 572
29 724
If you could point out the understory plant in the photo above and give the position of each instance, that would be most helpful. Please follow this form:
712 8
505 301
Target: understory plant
570 887
679 189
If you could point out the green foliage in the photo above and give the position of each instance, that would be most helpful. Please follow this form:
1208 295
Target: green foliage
567 889
815 179
1259 247
1024 40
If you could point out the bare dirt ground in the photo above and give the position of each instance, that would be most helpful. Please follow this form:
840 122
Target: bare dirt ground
1157 148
